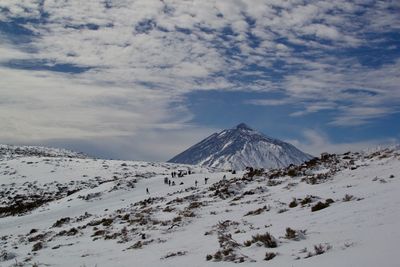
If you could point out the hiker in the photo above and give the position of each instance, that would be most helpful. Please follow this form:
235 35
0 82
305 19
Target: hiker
195 183
147 191
173 183
205 180
224 177
165 180
169 182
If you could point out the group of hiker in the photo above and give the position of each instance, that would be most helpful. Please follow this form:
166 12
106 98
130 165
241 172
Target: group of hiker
168 181
181 173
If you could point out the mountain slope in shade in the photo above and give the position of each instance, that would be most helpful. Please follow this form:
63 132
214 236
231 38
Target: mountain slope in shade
239 148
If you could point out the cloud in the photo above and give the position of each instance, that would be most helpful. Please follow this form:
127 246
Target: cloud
143 145
22 9
268 102
43 105
316 142
314 107
7 53
354 116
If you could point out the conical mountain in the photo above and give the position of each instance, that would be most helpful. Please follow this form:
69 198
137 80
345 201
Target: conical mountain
241 147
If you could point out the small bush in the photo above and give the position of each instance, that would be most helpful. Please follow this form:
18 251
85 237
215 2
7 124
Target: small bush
168 209
107 222
174 254
71 232
177 219
295 234
194 205
226 252
266 239
319 249
33 231
247 243
251 172
272 182
188 213
292 173
319 206
306 200
257 211
348 197
37 246
293 204
99 233
137 245
36 238
329 201
126 217
290 233
218 256
61 221
282 210
269 256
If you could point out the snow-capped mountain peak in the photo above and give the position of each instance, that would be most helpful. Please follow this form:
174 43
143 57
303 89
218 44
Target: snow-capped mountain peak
241 147
243 126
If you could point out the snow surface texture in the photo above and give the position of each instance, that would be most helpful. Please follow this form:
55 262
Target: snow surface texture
341 210
239 148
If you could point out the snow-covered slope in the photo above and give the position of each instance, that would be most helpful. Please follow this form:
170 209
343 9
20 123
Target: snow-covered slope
239 148
7 151
338 211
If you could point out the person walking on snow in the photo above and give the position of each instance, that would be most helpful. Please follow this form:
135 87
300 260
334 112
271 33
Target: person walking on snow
147 191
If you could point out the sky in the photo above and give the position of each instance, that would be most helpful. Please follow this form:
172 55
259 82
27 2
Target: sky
145 79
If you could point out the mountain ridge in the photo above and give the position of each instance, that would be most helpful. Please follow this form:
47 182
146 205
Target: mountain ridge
14 151
241 147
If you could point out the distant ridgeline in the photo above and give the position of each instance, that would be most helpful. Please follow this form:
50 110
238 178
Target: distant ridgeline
11 151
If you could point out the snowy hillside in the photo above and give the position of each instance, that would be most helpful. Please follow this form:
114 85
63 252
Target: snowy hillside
336 211
8 151
239 148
